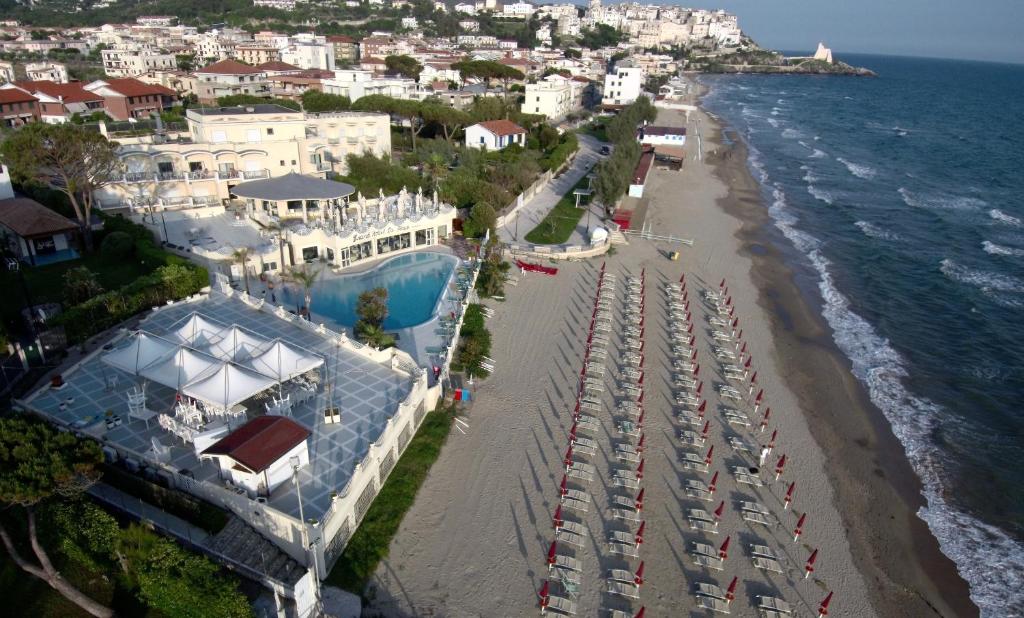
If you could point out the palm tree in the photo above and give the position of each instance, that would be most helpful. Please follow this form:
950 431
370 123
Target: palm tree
276 227
241 255
306 277
436 166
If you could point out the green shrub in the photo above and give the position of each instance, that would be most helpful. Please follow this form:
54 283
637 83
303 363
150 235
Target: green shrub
117 245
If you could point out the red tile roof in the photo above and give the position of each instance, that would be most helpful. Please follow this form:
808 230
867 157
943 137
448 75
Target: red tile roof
502 127
28 218
340 38
229 67
277 65
15 95
260 442
72 92
131 87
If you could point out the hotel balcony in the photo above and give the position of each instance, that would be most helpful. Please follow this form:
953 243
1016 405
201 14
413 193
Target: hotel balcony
255 174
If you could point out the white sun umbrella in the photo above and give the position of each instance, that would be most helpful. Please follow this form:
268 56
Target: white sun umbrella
283 362
227 386
196 331
237 344
180 368
141 351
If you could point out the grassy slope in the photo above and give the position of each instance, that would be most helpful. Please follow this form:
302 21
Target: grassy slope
564 217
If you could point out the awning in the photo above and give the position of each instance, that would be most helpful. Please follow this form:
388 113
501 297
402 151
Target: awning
142 350
283 362
227 386
182 367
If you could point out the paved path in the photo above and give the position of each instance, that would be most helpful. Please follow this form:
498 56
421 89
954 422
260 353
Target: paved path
537 207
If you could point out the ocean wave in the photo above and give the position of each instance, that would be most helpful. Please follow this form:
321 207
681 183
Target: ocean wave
820 194
1002 217
994 249
940 202
873 231
808 174
865 172
986 281
773 122
791 134
815 153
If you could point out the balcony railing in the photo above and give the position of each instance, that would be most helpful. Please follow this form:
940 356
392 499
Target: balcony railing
200 175
253 174
138 177
323 166
169 176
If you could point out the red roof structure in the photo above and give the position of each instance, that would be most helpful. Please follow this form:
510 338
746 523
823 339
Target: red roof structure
229 67
131 87
502 127
28 218
72 92
644 166
260 442
277 66
15 95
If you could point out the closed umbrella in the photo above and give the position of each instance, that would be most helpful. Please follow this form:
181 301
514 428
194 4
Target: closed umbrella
799 527
809 567
723 551
823 608
789 495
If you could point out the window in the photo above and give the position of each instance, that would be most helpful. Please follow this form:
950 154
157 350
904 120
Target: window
282 162
270 131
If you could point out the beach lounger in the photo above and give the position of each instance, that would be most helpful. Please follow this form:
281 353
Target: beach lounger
626 482
684 382
688 399
725 353
754 507
740 445
697 490
587 419
728 392
580 470
756 518
625 514
685 366
713 604
626 447
595 370
627 456
633 392
733 418
744 477
590 404
692 461
699 514
577 506
721 336
706 556
567 563
564 576
628 550
691 438
576 494
627 473
559 605
700 525
582 443
571 538
703 589
628 428
629 408
735 376
774 604
689 418
762 551
632 373
717 321
622 589
593 385
767 564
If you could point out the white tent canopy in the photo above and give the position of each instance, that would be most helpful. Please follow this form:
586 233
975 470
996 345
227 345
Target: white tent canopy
236 344
228 386
143 350
196 331
283 362
180 368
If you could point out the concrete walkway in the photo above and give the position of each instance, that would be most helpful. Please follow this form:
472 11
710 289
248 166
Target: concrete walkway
537 207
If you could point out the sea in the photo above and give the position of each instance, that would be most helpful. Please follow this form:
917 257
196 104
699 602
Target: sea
900 199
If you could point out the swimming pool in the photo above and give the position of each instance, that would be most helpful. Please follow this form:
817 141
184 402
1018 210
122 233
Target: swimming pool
415 283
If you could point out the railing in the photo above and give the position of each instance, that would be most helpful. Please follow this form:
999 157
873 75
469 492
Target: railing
323 166
168 176
333 141
138 176
251 174
200 175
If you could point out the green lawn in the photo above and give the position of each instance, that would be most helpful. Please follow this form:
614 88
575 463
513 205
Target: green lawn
597 128
371 541
557 227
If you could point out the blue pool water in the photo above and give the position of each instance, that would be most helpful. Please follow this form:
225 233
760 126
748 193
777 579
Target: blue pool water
414 281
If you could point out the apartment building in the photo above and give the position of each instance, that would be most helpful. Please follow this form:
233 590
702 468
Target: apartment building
358 83
6 72
49 71
212 47
132 60
227 78
553 98
309 51
17 108
256 53
224 146
623 84
346 50
128 98
59 102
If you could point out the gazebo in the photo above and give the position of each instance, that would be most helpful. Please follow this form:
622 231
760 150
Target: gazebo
293 196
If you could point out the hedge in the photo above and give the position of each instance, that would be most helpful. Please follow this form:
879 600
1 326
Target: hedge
560 153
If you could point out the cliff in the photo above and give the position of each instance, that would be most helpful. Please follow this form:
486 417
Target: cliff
765 61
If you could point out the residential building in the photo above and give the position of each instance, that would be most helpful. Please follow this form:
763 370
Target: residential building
470 25
346 50
211 47
358 83
224 146
622 85
59 102
410 22
465 8
228 78
132 60
128 98
309 51
156 21
17 108
517 9
256 53
552 98
6 72
48 71
284 5
661 136
495 135
32 232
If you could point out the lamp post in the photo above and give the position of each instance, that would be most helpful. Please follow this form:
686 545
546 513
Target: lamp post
295 462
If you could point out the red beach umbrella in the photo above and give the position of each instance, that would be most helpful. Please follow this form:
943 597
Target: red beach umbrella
707 428
723 551
640 444
726 291
703 406
693 355
682 277
760 396
714 482
743 350
576 412
640 533
711 452
780 466
638 579
640 470
720 510
740 336
722 284
640 419
764 419
789 495
753 378
809 567
799 527
563 488
641 399
551 559
544 595
735 322
557 518
732 310
700 387
568 457
728 301
771 443
730 594
823 608
696 371
640 500
640 614
572 431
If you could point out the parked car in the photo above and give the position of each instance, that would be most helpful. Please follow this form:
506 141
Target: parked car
605 150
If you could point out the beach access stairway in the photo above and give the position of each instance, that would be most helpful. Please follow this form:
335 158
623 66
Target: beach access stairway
240 543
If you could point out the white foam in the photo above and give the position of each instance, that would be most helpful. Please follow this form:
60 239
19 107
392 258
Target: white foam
820 194
865 172
791 134
986 281
940 201
774 123
873 231
990 561
994 249
1002 217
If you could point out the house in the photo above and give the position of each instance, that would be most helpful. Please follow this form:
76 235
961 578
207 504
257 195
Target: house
661 136
17 108
58 102
552 98
346 50
260 455
622 85
130 98
51 71
495 134
32 232
228 78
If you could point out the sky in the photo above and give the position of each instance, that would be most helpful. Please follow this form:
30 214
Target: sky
965 29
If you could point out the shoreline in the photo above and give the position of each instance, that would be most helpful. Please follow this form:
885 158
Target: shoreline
867 466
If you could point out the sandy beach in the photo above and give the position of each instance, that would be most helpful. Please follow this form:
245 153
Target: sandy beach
476 540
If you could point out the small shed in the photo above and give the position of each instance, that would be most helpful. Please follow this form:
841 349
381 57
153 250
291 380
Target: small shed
257 456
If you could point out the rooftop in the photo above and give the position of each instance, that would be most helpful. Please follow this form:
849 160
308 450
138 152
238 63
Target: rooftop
260 442
229 67
27 218
257 108
292 186
659 131
502 127
72 92
15 95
